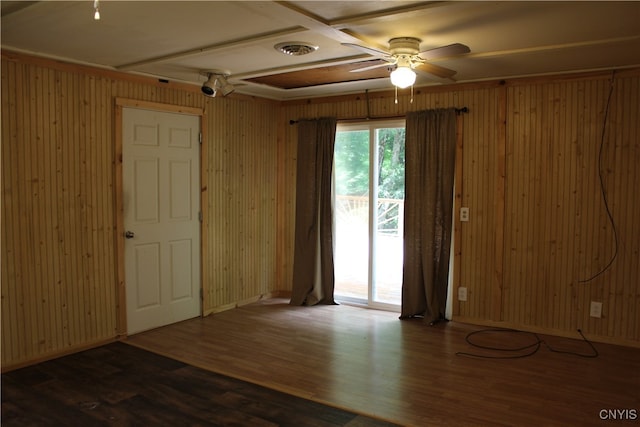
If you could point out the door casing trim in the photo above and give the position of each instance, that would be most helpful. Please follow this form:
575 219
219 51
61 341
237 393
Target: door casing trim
120 105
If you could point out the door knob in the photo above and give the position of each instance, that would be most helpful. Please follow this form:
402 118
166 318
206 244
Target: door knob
129 234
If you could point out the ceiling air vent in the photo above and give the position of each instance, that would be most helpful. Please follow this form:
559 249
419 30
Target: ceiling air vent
295 48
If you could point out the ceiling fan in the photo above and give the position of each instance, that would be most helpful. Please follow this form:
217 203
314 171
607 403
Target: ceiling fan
404 53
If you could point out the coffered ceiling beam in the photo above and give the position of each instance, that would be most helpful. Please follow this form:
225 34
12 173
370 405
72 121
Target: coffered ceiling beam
304 66
227 44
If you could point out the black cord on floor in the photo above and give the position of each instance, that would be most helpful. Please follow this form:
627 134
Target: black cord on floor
530 349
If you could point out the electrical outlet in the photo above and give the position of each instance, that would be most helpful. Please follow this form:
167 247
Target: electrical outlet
462 293
464 214
596 309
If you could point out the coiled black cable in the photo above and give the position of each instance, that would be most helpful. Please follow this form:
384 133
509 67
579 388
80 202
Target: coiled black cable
530 349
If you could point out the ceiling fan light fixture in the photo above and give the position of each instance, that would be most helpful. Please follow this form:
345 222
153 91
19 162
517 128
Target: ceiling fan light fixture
295 48
403 77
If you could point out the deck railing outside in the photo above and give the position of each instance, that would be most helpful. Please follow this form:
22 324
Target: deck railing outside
356 208
352 248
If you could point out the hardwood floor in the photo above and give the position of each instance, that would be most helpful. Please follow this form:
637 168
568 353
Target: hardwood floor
406 372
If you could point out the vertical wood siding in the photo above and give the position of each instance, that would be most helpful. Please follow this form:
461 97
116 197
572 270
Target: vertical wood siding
531 155
57 212
538 227
242 202
479 136
59 276
557 232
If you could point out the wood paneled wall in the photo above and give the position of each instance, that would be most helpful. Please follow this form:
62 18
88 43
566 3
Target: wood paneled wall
532 151
242 203
59 254
530 161
561 138
479 131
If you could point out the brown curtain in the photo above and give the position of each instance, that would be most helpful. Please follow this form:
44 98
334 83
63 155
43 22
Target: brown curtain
313 276
429 173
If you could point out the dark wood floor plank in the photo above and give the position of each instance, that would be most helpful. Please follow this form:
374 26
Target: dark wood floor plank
24 405
122 385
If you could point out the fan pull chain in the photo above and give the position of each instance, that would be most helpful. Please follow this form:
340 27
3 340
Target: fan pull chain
411 101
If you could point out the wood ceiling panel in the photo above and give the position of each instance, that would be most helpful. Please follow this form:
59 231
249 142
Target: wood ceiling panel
323 75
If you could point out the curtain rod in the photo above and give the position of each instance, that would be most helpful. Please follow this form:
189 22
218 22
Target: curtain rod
361 119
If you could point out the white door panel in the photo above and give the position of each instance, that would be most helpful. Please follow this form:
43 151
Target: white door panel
161 200
146 282
145 189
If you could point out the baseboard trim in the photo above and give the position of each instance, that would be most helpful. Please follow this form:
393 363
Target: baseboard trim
240 303
57 354
546 331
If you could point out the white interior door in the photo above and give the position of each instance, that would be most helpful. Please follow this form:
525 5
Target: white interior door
161 202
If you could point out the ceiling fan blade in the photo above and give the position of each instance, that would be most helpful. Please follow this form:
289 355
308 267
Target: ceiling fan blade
436 70
369 50
371 67
444 51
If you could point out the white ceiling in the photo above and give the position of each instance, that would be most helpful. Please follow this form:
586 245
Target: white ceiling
177 40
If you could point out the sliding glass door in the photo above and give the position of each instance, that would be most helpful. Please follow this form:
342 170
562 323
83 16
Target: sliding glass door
369 211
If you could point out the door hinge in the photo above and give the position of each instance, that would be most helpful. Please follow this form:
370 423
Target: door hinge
200 216
200 138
